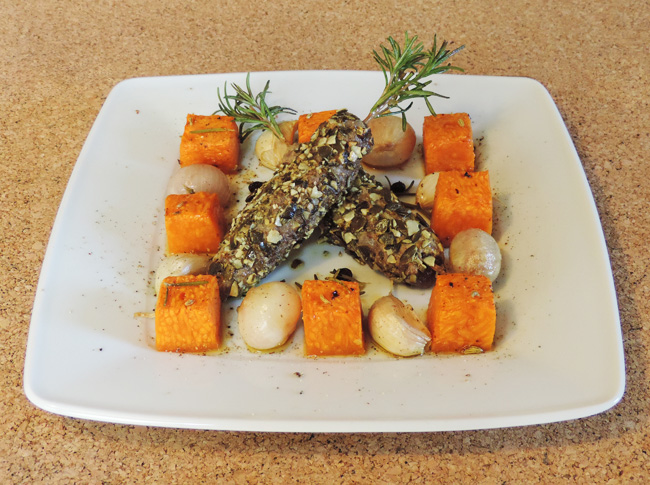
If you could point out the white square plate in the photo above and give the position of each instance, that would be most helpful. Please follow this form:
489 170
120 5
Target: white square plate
558 351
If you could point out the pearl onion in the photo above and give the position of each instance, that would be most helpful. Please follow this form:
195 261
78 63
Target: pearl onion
474 251
393 146
268 315
272 151
181 264
200 177
427 190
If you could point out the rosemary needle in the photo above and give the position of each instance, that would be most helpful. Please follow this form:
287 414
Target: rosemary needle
210 130
181 283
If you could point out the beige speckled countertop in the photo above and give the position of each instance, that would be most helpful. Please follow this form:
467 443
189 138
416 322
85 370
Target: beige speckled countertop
60 60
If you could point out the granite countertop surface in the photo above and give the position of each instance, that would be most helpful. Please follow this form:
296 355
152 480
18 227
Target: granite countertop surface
60 59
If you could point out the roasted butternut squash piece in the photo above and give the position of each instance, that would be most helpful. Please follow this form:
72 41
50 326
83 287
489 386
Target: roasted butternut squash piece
461 314
213 140
332 317
188 314
308 123
194 223
448 144
462 201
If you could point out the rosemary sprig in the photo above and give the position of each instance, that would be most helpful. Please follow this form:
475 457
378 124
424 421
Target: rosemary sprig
405 70
250 109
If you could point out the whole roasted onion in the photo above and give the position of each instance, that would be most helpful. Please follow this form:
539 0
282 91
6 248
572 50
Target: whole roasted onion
393 145
200 178
474 251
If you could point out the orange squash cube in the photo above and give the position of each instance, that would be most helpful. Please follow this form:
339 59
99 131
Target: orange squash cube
332 318
461 201
447 142
308 123
461 314
188 314
194 223
213 140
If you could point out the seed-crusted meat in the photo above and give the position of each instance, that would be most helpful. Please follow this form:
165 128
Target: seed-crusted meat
287 208
378 230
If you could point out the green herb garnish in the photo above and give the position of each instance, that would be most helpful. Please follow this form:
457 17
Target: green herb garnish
405 70
248 108
210 130
181 283
472 349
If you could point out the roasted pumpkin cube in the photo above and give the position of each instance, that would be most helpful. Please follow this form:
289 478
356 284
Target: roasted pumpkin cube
194 223
461 201
213 140
188 314
461 314
309 123
447 142
332 318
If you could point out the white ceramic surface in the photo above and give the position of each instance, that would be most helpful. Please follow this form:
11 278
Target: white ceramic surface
558 351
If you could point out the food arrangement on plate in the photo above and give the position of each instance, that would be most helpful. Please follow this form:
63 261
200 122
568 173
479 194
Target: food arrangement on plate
558 352
320 184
